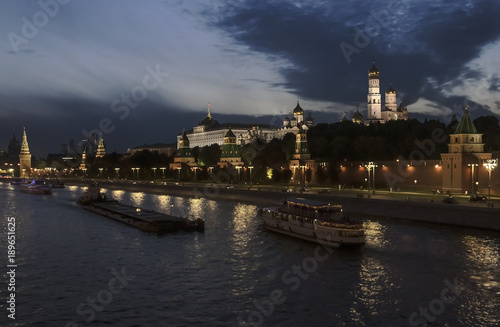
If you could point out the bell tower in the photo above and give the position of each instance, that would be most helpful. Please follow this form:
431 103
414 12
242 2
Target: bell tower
374 105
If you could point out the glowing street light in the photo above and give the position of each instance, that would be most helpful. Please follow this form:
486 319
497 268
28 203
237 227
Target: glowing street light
100 172
195 170
238 168
472 176
303 174
490 164
117 172
211 172
179 170
163 172
154 174
371 165
250 167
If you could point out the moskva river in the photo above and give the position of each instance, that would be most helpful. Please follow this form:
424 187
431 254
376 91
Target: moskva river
76 268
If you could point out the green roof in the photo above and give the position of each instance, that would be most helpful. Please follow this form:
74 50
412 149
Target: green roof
466 126
230 133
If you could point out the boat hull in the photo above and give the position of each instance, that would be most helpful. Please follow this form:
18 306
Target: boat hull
312 234
35 189
151 221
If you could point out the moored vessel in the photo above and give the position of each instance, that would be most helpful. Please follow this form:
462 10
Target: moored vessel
314 221
36 186
143 219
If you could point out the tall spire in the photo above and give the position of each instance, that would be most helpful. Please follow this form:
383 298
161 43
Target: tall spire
101 150
208 115
466 126
24 146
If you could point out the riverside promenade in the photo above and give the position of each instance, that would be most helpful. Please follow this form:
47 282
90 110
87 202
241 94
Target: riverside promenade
406 206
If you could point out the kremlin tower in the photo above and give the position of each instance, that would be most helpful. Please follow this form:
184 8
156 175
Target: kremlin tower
25 157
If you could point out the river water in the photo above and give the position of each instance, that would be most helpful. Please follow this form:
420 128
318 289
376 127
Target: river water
76 268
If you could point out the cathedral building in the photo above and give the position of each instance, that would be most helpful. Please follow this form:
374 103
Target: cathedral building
390 111
465 157
296 123
25 157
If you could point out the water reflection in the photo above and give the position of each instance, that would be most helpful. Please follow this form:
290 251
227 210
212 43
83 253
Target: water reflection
163 203
117 195
196 208
481 251
374 232
137 198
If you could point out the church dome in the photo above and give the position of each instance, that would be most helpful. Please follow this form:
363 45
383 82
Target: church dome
390 90
373 73
286 119
298 110
357 117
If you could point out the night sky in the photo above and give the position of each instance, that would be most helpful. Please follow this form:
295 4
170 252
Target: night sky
141 71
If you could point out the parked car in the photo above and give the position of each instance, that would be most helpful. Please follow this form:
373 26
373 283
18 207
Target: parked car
477 198
286 190
324 191
450 200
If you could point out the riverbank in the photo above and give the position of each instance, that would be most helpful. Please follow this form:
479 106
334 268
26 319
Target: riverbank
429 212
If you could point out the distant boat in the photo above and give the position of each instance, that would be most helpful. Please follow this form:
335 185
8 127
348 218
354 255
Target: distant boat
314 221
36 186
145 220
17 181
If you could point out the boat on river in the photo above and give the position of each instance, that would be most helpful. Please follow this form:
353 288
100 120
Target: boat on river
314 221
143 219
36 186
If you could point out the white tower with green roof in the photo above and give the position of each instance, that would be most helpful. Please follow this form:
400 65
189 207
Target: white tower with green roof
464 160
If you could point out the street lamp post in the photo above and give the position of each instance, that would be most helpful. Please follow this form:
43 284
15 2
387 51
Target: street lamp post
117 173
371 165
195 170
163 172
211 172
250 167
415 181
238 168
472 177
179 170
490 164
100 172
154 174
303 175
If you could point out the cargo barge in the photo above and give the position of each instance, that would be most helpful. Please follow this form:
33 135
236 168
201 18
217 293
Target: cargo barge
145 220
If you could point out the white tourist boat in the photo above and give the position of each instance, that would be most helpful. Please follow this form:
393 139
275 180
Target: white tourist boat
36 186
314 221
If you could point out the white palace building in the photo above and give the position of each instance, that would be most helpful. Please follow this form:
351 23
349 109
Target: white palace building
210 131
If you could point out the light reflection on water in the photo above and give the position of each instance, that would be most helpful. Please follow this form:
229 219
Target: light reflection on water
117 195
212 278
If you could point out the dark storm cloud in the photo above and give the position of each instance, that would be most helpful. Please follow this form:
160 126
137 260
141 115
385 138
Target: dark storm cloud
422 43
